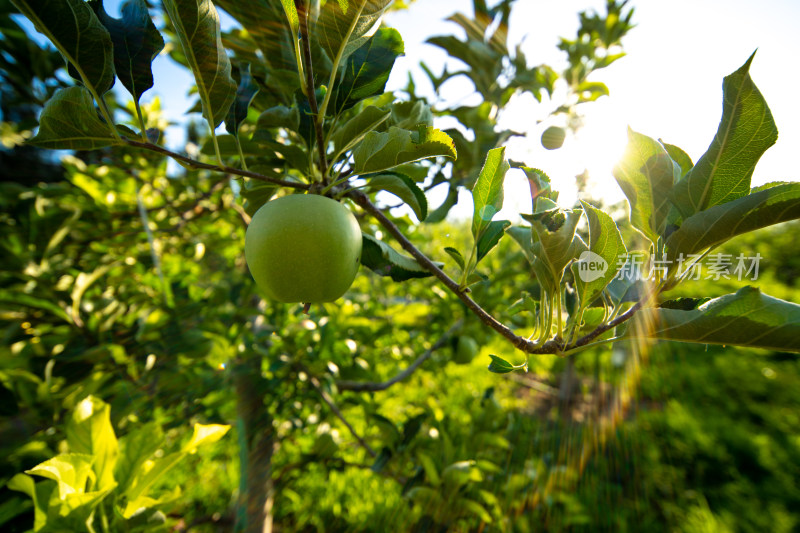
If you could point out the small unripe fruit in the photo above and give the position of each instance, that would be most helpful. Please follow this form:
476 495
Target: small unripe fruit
465 351
303 249
553 137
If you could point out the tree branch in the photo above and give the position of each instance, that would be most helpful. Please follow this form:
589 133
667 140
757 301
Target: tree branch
589 337
371 386
206 166
551 346
328 400
302 11
519 342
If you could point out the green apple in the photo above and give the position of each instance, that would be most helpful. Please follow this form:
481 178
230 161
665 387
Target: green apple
303 248
553 137
465 350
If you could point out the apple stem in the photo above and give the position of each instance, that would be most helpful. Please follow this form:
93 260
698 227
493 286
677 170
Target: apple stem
306 307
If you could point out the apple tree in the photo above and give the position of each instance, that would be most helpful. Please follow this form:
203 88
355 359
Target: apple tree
129 291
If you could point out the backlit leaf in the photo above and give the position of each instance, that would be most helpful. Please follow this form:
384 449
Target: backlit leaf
745 132
490 237
717 224
606 242
745 318
386 261
383 150
367 69
487 194
266 22
75 30
69 121
197 25
646 174
136 41
352 131
89 432
500 366
404 188
244 95
344 25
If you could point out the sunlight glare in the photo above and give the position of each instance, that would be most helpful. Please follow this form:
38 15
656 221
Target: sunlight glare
596 147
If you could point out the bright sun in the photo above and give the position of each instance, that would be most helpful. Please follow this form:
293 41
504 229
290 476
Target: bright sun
596 147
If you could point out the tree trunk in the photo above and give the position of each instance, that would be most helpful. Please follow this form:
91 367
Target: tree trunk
567 387
256 445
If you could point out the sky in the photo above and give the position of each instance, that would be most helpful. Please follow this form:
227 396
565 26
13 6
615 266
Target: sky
669 85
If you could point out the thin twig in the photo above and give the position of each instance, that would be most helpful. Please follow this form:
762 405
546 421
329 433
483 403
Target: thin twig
372 386
206 166
550 346
328 400
586 339
520 342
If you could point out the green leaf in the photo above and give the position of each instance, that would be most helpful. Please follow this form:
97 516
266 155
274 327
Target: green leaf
291 15
136 41
227 146
383 458
136 448
589 91
19 299
368 68
475 508
683 304
646 174
456 255
197 25
306 129
89 432
429 466
279 117
404 188
69 122
205 434
745 318
629 283
82 282
522 236
487 193
440 213
717 224
38 492
500 366
379 151
679 156
490 237
244 95
344 26
745 132
409 115
554 244
543 196
256 193
75 30
485 63
141 484
264 21
386 261
13 507
70 471
605 242
351 132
